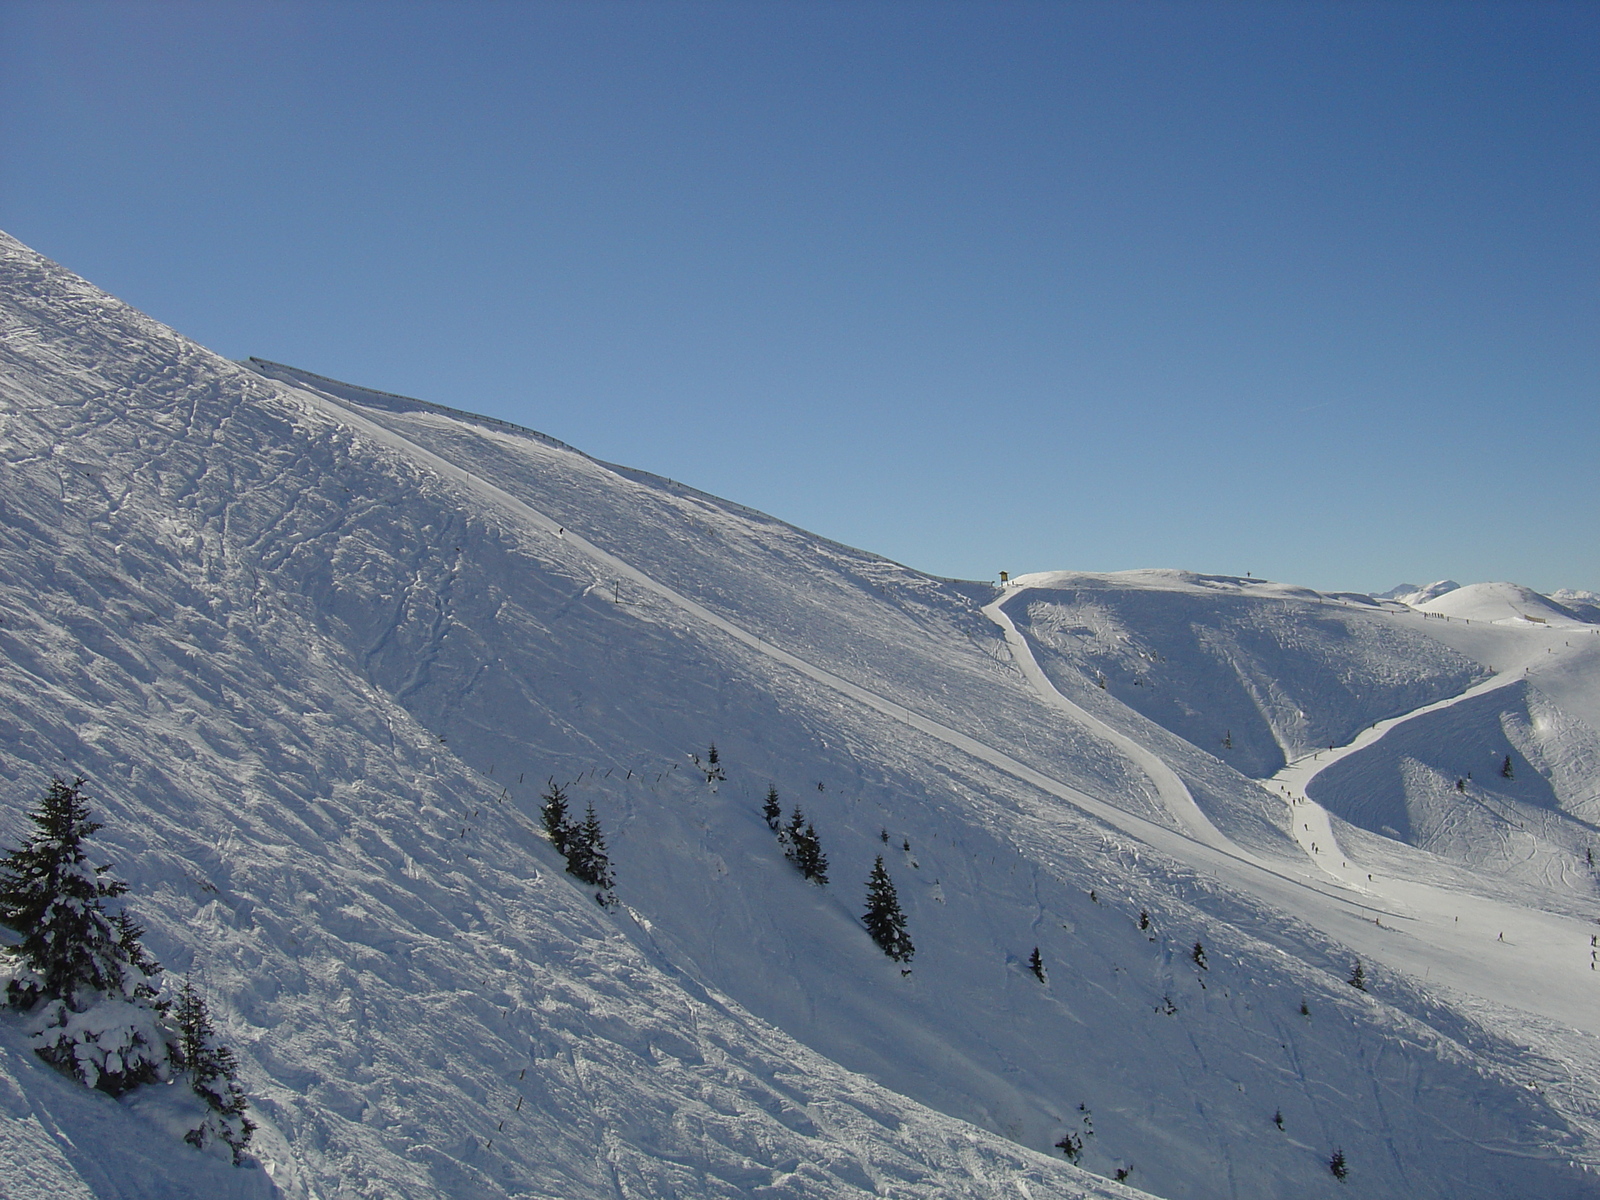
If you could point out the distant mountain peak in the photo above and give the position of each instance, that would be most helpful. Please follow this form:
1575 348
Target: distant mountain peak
1411 594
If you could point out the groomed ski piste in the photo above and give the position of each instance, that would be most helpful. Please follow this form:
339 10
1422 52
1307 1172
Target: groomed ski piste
318 649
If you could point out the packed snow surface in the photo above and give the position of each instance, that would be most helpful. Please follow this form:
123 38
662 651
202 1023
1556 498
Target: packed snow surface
318 650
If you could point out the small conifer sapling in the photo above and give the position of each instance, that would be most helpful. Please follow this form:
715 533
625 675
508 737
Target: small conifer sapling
213 1073
711 767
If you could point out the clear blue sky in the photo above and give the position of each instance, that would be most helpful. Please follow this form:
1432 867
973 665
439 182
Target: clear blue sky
1310 290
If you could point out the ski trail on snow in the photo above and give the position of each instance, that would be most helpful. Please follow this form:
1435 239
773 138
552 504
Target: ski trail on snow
1174 793
1309 821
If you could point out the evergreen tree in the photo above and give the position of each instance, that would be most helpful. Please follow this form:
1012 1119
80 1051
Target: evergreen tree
771 810
553 813
83 974
1358 977
792 833
586 853
1199 956
1036 964
213 1072
883 918
711 767
1336 1164
1505 768
808 856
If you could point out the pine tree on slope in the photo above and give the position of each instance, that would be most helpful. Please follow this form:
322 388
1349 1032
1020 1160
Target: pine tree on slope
808 856
883 918
553 813
83 974
771 810
586 853
791 834
213 1075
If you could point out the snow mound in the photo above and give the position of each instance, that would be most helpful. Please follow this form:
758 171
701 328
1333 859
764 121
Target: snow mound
1501 604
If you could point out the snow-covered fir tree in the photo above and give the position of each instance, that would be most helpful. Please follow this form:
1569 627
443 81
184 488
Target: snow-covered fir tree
792 831
802 847
586 853
710 766
213 1074
82 974
553 813
771 809
883 918
808 856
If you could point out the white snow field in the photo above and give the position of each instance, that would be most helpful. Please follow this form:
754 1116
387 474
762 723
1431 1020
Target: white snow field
317 650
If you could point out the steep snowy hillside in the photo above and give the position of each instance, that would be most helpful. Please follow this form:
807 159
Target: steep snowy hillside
318 649
425 1004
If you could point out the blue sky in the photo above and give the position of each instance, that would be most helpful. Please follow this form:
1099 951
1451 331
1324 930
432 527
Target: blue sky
1309 290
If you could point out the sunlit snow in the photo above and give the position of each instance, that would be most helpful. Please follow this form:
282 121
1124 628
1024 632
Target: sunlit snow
318 649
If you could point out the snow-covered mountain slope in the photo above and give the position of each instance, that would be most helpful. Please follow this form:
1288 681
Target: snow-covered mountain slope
318 649
1255 672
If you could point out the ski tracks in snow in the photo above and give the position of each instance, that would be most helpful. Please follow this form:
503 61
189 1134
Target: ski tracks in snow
1174 793
1310 822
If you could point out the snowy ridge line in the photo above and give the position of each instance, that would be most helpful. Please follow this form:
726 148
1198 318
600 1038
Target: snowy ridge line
298 377
296 373
1176 843
1174 793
